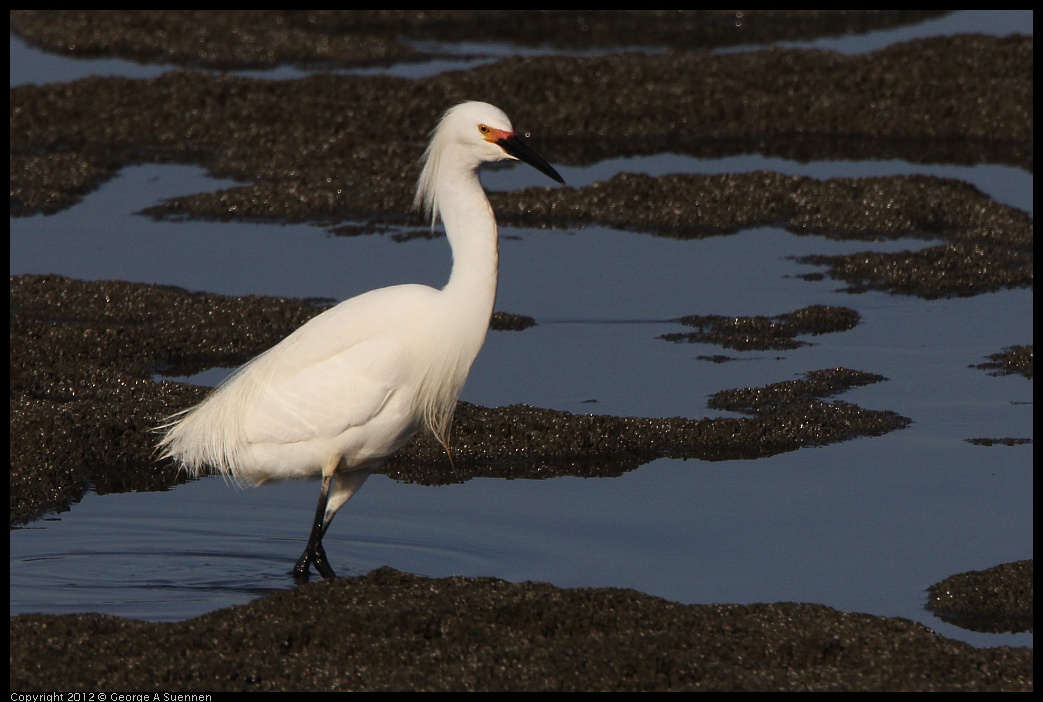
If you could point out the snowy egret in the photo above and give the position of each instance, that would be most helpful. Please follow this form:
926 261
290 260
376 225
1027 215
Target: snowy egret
341 394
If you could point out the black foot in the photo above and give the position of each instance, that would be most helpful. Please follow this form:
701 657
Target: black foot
313 555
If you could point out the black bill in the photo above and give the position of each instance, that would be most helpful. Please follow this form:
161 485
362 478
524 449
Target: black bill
520 150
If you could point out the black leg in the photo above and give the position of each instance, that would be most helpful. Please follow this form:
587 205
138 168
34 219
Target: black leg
314 553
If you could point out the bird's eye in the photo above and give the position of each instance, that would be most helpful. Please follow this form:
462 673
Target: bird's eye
483 129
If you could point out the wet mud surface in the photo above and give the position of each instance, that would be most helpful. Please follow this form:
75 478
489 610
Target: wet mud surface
412 633
83 401
1012 360
996 599
779 332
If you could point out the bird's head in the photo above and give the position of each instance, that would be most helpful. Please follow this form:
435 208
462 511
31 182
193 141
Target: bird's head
468 135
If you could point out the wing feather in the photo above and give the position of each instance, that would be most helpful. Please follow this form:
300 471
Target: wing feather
323 398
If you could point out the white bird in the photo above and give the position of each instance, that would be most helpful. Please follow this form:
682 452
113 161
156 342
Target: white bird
341 394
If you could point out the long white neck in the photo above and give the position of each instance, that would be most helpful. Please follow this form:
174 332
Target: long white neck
470 227
461 319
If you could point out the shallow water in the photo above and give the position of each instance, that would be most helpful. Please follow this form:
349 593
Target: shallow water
865 525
